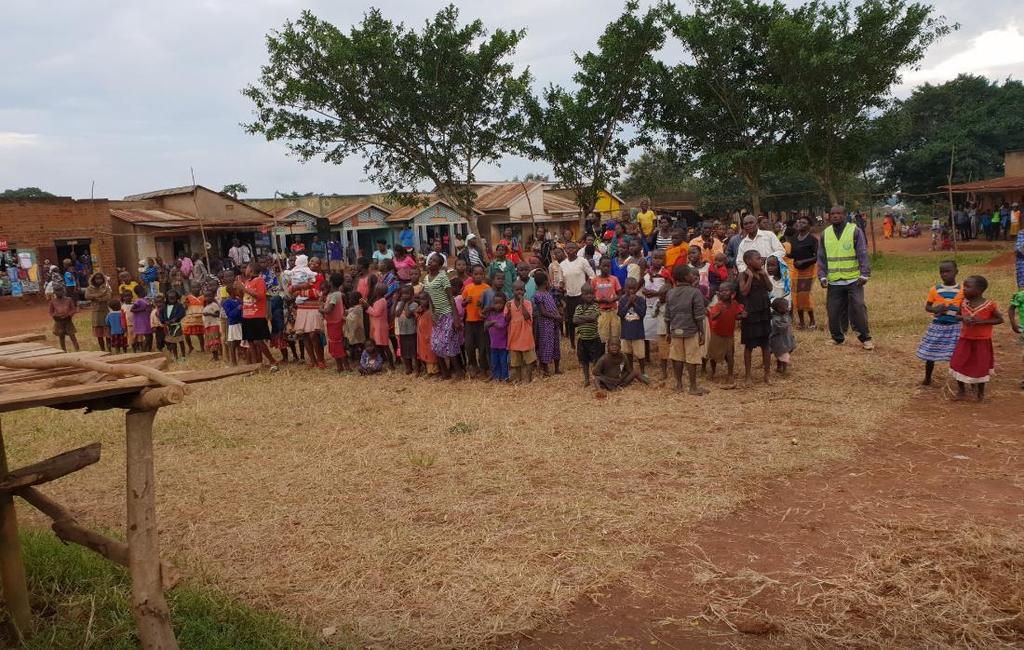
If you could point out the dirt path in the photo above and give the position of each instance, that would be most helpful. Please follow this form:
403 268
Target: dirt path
23 315
937 465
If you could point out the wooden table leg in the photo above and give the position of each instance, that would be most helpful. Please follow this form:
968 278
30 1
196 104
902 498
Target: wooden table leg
12 569
149 607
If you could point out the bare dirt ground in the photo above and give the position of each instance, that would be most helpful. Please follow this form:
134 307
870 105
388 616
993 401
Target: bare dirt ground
23 315
896 547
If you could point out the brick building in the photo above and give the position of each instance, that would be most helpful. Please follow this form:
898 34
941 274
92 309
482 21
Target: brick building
35 230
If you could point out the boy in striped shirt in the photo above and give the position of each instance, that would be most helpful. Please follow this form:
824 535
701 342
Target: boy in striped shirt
589 347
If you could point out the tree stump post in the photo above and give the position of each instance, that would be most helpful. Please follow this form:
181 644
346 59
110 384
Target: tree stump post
12 569
149 607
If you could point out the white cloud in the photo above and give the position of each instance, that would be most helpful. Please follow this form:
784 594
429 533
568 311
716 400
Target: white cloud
13 139
988 54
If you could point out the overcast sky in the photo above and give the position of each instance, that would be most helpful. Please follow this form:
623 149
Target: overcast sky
131 93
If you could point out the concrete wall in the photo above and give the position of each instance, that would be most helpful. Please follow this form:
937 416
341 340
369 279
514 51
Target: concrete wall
1013 163
321 205
37 223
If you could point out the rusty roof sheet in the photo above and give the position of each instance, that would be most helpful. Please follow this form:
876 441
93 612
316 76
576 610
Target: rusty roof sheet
289 210
1001 184
554 204
147 216
346 212
502 196
171 191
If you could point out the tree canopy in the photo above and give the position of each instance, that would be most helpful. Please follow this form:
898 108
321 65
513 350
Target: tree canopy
970 118
582 133
418 106
234 189
655 171
26 193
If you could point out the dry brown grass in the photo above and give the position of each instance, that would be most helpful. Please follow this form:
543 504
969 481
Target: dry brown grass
420 514
911 585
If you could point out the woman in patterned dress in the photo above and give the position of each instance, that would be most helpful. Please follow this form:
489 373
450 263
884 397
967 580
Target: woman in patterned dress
444 339
548 322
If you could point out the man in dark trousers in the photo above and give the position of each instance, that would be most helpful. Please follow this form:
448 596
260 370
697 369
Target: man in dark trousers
844 269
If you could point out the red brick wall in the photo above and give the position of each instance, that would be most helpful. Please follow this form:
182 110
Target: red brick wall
36 223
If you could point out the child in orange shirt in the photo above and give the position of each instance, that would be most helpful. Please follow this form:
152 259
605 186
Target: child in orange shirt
476 344
380 324
425 357
521 348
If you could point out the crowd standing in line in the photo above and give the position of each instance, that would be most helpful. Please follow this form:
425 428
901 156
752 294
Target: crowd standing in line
626 292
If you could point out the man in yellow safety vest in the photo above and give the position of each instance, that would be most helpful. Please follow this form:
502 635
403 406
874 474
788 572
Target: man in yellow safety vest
844 269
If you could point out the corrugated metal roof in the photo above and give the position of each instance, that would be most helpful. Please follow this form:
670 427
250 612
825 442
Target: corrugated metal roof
346 212
1001 184
142 216
501 197
289 210
187 189
554 204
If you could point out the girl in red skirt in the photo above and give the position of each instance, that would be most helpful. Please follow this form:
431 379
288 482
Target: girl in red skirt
333 310
973 359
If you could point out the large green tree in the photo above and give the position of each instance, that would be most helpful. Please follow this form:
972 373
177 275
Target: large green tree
419 106
841 65
234 189
586 133
655 171
970 118
26 193
722 108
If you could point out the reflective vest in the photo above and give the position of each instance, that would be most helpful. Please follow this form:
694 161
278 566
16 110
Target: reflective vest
841 254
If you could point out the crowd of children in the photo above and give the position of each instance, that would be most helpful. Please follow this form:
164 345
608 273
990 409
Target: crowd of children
675 299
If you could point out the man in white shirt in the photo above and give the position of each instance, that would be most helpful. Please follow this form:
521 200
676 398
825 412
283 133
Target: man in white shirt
764 242
577 272
239 254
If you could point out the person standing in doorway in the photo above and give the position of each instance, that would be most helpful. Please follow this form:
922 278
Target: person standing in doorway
843 270
240 255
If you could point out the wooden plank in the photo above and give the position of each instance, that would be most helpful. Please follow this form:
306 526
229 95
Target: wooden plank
149 607
16 400
22 338
9 375
12 569
21 347
52 468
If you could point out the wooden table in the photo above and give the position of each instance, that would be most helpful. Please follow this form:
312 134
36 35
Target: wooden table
34 374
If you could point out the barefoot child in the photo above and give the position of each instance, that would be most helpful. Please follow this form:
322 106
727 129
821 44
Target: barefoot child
333 310
632 309
171 317
211 323
115 324
159 331
943 332
521 348
781 341
405 326
1016 307
589 348
684 320
973 358
425 357
62 310
656 286
370 361
723 316
355 333
496 326
756 328
615 369
379 324
192 325
232 308
141 320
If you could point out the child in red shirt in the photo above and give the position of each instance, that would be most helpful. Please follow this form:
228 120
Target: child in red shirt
973 358
723 316
607 292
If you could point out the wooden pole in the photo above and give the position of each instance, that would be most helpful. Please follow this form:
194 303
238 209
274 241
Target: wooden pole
949 186
149 607
12 569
